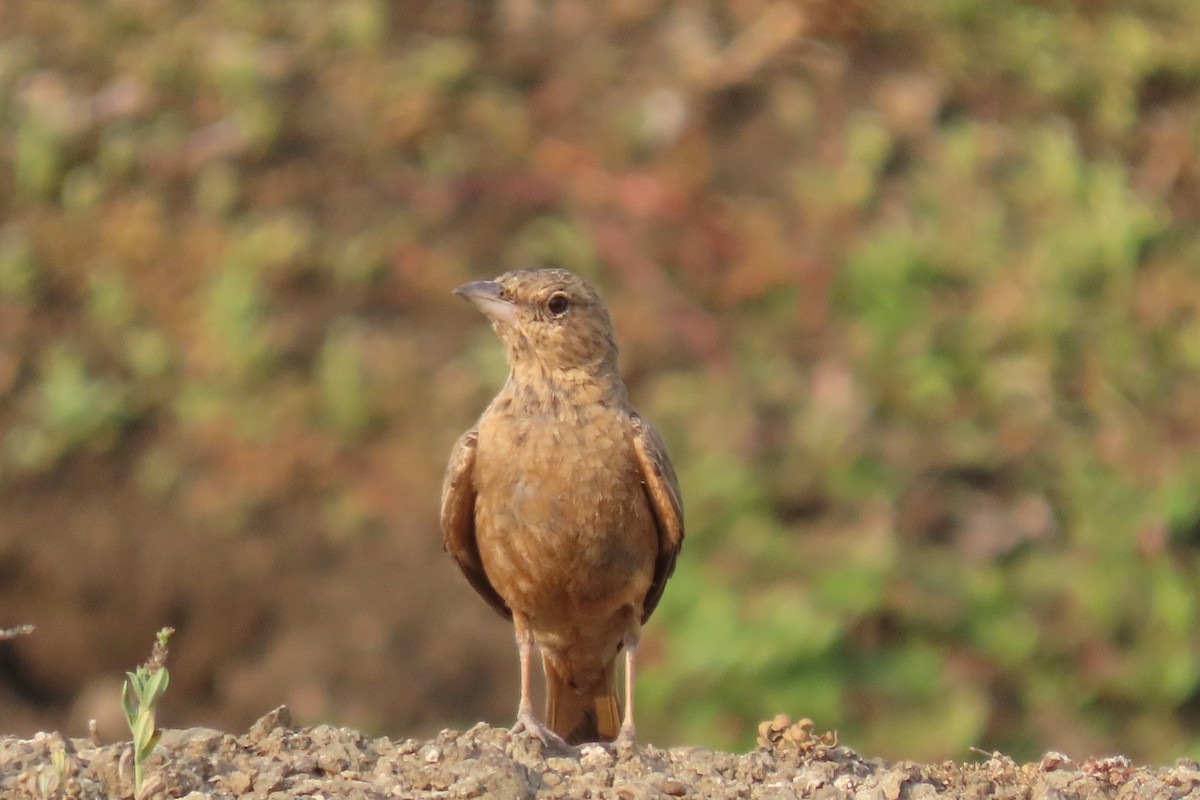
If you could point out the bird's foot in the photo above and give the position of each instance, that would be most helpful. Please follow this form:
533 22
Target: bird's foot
531 726
623 745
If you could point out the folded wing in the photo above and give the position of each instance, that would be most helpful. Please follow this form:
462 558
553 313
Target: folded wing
662 490
458 519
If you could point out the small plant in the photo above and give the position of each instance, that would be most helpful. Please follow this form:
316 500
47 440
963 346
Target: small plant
146 684
54 779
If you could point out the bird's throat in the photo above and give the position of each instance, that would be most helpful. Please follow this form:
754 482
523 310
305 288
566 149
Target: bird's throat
558 393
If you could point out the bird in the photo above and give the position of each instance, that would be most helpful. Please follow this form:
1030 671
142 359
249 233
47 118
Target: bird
561 506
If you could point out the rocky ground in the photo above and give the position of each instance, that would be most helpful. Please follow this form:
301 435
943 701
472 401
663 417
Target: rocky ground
276 759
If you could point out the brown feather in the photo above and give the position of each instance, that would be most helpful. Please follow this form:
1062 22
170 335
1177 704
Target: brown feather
591 716
458 519
662 489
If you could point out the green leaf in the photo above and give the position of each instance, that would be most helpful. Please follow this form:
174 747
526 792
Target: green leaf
127 704
143 729
156 684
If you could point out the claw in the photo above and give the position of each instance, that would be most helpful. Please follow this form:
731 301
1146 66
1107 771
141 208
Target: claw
528 724
623 745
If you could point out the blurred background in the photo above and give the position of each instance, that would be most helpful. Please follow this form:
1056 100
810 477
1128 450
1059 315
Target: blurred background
910 288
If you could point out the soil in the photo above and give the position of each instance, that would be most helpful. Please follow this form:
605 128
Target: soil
379 632
276 759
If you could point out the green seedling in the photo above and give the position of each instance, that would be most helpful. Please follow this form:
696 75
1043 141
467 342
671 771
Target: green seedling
139 698
53 780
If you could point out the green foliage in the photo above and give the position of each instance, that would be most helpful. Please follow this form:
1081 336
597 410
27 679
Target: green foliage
342 376
18 265
38 158
235 321
72 409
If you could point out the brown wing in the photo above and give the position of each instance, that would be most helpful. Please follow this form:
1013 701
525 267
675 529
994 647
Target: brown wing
458 519
662 489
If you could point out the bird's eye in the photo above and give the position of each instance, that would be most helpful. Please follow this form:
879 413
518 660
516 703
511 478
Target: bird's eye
558 304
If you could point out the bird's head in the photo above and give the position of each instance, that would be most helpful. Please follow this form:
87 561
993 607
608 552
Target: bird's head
549 319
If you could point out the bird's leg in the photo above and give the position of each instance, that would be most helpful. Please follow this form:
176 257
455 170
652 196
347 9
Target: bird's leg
525 651
526 721
628 730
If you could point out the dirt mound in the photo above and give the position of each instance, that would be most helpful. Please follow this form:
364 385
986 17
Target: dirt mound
277 760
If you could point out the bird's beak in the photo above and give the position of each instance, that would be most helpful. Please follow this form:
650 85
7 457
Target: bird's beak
485 296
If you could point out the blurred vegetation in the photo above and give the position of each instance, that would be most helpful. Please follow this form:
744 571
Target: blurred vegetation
911 289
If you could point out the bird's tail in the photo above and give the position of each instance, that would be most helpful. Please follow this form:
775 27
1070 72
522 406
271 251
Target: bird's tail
590 715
